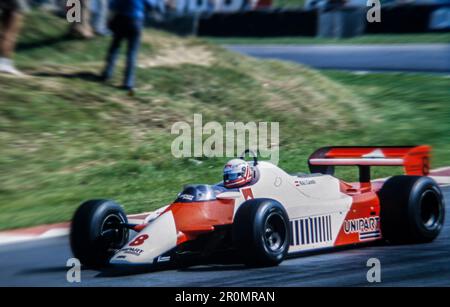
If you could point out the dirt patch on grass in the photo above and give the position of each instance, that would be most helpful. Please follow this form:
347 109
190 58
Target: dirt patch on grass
174 51
179 55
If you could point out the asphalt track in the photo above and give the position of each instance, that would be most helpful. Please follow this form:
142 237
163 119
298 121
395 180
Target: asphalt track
433 58
43 263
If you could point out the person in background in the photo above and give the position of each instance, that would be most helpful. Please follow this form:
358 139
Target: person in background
126 24
83 29
100 9
11 17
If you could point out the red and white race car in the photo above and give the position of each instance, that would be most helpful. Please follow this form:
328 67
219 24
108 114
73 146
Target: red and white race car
275 215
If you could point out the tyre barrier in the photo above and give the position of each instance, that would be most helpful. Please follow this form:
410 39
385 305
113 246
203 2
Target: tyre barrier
260 23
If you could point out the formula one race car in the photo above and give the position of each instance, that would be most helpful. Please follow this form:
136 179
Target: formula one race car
273 216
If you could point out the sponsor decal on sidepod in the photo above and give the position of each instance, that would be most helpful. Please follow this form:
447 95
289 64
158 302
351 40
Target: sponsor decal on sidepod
367 228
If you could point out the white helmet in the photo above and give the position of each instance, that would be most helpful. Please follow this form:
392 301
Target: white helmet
237 173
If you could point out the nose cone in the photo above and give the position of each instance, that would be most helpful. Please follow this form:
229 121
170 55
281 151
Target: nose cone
157 238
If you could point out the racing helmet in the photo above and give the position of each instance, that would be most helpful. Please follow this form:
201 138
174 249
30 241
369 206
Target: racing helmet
237 173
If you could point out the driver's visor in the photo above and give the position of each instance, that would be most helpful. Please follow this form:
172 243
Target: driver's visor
231 176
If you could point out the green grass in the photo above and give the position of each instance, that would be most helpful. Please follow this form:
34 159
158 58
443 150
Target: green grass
65 138
288 3
427 38
412 107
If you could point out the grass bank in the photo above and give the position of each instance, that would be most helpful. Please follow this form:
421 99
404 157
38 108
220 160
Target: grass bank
65 137
419 38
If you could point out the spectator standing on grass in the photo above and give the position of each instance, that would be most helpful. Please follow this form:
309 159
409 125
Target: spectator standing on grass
100 9
11 17
126 24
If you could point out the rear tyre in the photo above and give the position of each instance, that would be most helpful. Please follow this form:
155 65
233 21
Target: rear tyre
412 209
96 232
261 232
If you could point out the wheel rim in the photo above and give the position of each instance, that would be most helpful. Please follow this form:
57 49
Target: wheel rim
111 233
274 232
430 210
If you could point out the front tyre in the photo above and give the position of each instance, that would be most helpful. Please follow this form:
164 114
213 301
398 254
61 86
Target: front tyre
261 232
412 209
96 232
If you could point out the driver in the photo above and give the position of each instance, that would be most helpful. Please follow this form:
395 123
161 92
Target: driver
237 173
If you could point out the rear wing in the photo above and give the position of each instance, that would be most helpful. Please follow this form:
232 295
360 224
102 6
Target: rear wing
414 159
